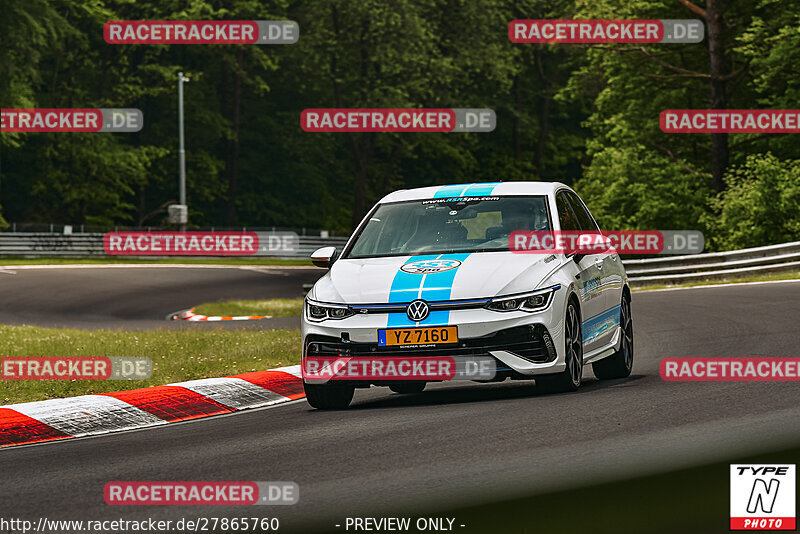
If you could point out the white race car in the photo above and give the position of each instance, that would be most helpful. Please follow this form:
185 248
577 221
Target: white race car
429 272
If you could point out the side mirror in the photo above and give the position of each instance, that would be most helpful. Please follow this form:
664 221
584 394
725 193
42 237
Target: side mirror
577 258
324 257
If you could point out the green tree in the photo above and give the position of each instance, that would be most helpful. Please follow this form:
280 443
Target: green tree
760 205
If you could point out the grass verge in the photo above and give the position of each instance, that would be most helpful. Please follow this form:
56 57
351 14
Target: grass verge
176 356
272 307
731 280
178 260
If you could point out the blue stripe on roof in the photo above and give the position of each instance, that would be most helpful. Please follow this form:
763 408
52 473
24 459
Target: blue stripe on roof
480 190
466 190
451 191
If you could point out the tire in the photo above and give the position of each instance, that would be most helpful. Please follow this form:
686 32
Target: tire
325 397
570 379
620 364
413 386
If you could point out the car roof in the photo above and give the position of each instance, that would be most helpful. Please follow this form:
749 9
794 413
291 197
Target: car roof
474 190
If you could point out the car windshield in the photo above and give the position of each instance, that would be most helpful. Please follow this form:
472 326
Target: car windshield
439 226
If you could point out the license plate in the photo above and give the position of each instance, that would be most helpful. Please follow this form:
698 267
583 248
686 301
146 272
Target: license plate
418 336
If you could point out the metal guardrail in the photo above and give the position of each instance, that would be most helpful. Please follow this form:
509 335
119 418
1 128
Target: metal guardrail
669 270
310 244
37 245
771 259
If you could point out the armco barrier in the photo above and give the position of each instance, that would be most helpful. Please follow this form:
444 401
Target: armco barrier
662 270
37 245
771 259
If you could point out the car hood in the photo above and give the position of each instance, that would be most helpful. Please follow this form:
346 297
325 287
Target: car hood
433 278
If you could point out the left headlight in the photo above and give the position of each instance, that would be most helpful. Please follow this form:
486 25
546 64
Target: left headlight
533 301
321 311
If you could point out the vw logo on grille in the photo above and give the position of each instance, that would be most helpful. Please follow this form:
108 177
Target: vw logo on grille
418 310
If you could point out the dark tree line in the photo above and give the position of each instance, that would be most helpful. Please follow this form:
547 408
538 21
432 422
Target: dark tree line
584 115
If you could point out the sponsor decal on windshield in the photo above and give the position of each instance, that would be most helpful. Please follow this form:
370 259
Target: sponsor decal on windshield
447 200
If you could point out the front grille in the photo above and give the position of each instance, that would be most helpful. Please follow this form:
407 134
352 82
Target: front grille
528 341
464 304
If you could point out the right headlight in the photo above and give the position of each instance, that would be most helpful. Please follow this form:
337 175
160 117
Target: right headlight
533 301
321 311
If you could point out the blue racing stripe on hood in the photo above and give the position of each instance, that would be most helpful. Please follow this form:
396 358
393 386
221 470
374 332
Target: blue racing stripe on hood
428 287
405 286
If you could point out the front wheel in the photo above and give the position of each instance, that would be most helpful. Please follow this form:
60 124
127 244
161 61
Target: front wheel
619 364
325 397
569 379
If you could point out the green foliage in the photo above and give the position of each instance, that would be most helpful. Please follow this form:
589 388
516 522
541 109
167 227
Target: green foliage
631 187
760 206
580 114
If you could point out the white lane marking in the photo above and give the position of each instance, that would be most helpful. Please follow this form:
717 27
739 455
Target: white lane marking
734 284
233 392
87 414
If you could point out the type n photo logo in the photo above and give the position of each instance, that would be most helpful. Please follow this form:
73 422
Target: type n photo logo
763 497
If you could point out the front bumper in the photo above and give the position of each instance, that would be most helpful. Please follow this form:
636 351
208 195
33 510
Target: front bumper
522 344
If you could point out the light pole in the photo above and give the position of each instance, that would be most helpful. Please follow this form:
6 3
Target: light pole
184 216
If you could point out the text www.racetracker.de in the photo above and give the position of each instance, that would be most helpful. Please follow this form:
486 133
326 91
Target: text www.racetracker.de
199 524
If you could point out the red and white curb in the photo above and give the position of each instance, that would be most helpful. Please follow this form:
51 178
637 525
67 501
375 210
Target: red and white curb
88 415
189 315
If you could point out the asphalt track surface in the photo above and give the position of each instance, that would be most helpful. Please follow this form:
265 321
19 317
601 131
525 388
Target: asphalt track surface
96 297
454 444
